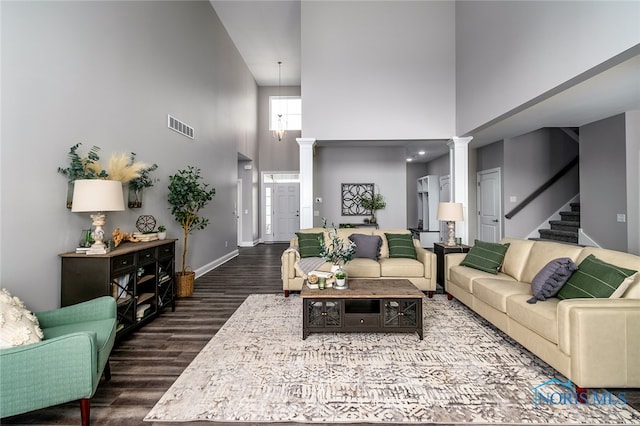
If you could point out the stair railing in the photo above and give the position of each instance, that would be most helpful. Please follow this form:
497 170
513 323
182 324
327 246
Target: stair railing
542 188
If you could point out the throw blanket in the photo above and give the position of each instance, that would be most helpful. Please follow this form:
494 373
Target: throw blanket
304 265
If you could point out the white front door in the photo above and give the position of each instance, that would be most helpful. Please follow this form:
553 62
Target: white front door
489 205
286 213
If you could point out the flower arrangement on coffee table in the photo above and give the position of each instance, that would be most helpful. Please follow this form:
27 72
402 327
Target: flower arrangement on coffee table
338 252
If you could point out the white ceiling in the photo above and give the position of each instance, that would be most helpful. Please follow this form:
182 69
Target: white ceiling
268 31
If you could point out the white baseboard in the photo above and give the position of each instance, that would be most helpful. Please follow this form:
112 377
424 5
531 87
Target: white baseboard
585 240
249 243
213 265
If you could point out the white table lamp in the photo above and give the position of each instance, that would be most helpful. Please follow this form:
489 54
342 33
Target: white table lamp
99 196
450 212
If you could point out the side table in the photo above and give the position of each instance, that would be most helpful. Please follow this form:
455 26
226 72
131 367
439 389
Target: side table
441 249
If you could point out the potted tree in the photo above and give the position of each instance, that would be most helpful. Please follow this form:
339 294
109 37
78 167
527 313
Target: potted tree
187 196
373 203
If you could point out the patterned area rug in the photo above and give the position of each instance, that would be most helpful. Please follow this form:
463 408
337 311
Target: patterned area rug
257 368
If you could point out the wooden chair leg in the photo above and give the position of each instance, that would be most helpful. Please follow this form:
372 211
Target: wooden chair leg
85 411
286 293
107 371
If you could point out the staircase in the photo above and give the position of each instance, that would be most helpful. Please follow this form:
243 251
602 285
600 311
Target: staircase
565 229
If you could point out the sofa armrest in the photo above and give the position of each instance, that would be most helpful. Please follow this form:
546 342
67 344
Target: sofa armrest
428 259
96 309
50 372
603 340
451 260
287 270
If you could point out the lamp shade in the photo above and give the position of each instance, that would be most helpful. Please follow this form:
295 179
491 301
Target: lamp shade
450 211
97 195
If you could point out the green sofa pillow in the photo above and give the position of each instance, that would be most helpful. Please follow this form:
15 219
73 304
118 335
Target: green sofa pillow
401 245
487 257
310 244
595 278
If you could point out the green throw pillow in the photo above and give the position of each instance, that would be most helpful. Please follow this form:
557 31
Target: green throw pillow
485 256
594 278
309 244
401 245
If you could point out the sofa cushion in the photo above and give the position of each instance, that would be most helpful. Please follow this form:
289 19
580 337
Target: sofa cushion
401 246
548 282
541 318
495 292
384 249
463 277
485 256
401 267
18 325
544 252
367 246
596 278
516 257
310 244
363 268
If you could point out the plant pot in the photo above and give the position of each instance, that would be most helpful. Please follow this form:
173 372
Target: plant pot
162 235
184 283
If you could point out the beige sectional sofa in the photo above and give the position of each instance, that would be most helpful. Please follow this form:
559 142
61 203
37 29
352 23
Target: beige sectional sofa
593 342
421 272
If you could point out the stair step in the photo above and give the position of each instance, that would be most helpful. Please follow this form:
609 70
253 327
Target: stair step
555 235
564 225
570 216
575 207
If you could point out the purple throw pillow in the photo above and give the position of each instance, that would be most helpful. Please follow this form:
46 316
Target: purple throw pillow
548 282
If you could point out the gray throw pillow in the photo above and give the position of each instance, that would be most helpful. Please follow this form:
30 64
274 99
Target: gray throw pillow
367 246
548 282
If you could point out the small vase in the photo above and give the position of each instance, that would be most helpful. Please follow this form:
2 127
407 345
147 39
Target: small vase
135 198
162 235
341 283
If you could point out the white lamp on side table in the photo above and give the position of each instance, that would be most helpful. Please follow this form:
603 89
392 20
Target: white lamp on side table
450 212
99 196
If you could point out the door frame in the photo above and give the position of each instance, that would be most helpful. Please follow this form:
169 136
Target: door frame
499 198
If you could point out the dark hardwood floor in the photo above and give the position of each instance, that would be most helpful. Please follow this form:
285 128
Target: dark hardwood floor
147 362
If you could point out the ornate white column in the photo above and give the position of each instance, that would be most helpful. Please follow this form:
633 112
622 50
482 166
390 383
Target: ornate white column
306 181
459 181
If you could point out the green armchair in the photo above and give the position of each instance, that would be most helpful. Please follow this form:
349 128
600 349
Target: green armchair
66 365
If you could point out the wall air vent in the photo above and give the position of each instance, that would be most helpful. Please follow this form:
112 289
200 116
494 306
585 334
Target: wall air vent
180 127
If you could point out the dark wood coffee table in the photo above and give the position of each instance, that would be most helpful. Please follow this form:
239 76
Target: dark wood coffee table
383 305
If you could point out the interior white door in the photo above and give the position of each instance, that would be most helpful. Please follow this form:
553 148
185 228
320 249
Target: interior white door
286 212
489 205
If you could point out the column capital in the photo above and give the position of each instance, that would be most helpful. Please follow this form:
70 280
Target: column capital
306 141
459 141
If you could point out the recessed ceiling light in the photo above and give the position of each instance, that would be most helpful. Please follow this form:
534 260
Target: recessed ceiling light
422 152
409 160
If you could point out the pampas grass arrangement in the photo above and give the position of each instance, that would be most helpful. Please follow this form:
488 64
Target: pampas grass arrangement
123 167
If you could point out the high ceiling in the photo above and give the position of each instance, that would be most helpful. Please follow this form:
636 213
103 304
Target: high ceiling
268 31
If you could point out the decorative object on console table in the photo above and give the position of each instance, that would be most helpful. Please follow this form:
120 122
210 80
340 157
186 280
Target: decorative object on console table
441 249
187 196
134 274
162 232
450 212
373 203
99 196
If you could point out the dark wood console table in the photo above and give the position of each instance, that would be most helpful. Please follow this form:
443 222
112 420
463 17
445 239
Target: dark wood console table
392 305
441 249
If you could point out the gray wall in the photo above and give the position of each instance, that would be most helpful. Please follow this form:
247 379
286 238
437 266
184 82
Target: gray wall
107 74
632 126
381 70
441 166
384 167
490 156
507 53
603 181
529 161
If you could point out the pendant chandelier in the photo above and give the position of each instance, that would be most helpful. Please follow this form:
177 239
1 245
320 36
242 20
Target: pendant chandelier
279 132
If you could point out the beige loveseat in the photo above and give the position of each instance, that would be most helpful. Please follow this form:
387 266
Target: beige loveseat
421 272
593 342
